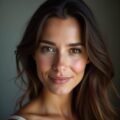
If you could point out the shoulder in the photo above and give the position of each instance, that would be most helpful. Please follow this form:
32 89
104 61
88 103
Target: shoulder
32 107
29 111
16 117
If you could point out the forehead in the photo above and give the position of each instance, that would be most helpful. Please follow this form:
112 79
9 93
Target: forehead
64 30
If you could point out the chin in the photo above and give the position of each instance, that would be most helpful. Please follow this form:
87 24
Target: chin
61 91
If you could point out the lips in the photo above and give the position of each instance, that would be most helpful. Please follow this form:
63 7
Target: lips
60 80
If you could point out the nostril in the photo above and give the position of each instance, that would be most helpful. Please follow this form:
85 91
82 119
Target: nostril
59 68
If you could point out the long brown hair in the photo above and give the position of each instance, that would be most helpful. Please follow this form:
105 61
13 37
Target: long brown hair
90 98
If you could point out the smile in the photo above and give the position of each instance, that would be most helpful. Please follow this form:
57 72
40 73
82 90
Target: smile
60 80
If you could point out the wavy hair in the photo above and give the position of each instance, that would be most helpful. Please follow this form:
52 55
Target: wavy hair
90 100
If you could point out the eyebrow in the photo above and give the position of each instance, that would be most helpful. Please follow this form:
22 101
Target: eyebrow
47 42
52 43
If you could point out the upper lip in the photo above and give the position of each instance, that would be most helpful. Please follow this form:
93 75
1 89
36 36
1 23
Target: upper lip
60 78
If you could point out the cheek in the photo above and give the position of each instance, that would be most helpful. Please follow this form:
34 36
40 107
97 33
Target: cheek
43 66
78 65
43 63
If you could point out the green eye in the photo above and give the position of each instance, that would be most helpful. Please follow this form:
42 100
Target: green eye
75 51
47 49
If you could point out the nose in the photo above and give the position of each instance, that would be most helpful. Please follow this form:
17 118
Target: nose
60 62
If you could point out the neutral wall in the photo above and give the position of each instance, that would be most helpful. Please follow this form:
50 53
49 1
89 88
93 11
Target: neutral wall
14 15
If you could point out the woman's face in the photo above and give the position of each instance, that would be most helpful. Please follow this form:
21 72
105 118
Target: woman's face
61 58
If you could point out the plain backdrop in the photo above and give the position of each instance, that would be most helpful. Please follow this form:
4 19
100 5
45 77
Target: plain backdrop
14 16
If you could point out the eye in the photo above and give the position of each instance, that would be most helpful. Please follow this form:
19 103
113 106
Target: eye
75 50
47 49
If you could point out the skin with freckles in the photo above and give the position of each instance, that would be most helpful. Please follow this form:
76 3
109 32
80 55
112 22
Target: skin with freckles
61 55
61 59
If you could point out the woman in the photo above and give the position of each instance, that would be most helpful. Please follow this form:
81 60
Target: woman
66 64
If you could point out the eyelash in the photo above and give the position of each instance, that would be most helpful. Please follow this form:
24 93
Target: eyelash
48 49
75 50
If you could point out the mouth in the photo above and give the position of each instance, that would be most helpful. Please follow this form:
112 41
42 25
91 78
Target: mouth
60 80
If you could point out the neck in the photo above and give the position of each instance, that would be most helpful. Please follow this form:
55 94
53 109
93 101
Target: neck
56 104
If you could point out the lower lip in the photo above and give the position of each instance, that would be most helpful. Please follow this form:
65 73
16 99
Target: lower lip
60 81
